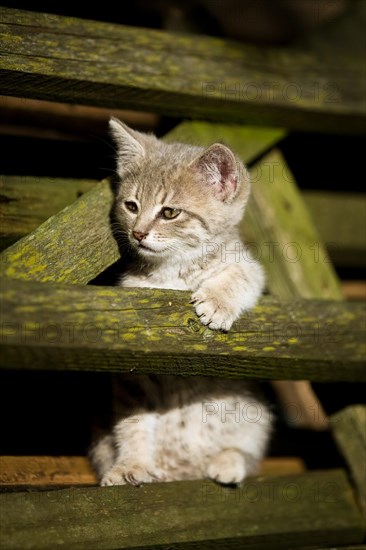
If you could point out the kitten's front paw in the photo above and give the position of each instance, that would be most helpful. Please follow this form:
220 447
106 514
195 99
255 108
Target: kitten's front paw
122 474
212 311
228 467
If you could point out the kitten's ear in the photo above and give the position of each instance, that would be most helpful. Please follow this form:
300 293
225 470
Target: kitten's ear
217 167
130 143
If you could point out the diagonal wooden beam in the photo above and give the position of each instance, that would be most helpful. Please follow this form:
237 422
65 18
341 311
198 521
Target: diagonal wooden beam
349 430
72 246
28 201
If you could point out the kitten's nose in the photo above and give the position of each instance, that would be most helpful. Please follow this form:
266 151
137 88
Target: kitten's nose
139 235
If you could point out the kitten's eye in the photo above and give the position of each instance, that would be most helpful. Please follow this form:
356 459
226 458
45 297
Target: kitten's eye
170 213
131 206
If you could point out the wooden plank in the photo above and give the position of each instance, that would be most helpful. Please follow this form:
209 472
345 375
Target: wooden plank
76 61
52 120
318 507
73 327
354 290
25 472
249 142
341 221
349 430
73 246
26 202
45 471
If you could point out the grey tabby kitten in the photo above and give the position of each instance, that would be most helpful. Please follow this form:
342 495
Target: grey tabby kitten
179 207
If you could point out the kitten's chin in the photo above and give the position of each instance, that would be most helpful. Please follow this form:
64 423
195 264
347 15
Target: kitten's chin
148 252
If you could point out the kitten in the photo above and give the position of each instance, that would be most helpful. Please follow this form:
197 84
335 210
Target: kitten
178 207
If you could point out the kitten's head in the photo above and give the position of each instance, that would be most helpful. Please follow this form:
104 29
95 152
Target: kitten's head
173 197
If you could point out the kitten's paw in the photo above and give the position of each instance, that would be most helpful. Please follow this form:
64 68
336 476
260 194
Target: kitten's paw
228 467
212 311
122 474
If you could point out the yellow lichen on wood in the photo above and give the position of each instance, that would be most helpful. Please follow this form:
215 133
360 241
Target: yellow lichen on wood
72 246
75 327
79 61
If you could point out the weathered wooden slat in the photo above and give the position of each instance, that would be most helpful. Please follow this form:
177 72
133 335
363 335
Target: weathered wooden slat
26 202
284 236
318 507
354 290
73 327
25 472
45 471
61 121
73 246
76 244
59 58
250 142
341 221
349 430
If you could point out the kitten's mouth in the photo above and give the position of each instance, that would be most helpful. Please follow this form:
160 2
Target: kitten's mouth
147 249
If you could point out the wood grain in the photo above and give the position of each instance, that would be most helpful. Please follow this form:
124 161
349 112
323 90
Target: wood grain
349 430
318 507
341 221
27 202
72 327
73 246
71 60
44 471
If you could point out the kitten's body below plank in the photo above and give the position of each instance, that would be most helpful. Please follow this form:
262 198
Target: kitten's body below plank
178 208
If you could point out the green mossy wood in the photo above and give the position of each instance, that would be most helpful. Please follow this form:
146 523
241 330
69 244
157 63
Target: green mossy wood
341 221
349 430
76 61
274 513
26 202
115 329
73 246
284 236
